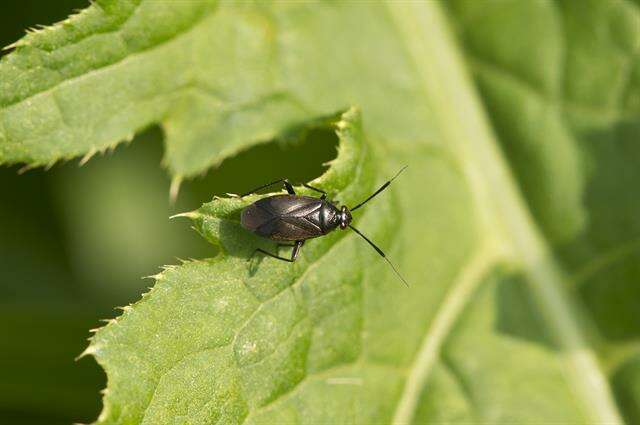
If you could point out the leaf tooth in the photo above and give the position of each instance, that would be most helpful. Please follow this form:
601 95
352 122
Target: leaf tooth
145 294
15 44
26 168
50 165
174 188
124 308
198 230
189 214
167 268
90 350
87 156
157 276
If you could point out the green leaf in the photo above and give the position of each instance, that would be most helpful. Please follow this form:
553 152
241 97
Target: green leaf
273 335
517 223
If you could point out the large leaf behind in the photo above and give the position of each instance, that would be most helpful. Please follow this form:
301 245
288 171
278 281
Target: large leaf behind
466 342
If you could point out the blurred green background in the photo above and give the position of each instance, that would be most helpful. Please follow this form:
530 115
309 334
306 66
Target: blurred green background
76 241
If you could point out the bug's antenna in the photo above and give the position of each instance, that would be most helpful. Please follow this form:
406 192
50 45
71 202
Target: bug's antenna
383 187
380 251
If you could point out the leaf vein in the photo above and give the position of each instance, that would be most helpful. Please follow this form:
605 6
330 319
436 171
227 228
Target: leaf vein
102 68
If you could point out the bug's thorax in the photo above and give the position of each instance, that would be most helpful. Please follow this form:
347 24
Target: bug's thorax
328 217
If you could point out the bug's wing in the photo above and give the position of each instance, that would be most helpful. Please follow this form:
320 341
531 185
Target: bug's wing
290 229
254 216
284 217
286 205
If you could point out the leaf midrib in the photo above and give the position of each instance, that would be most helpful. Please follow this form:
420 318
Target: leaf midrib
465 127
457 298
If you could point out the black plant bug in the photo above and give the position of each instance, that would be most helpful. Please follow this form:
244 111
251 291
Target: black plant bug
296 218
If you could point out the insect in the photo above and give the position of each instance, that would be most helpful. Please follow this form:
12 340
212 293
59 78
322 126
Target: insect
296 218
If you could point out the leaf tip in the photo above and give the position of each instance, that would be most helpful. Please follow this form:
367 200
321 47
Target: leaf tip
189 214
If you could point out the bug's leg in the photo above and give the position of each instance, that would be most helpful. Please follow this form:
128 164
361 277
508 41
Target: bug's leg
287 186
324 194
296 250
287 245
294 253
270 255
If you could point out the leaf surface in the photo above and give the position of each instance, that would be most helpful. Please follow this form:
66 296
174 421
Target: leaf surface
516 223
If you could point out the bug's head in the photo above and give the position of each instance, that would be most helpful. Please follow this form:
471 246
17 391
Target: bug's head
345 217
